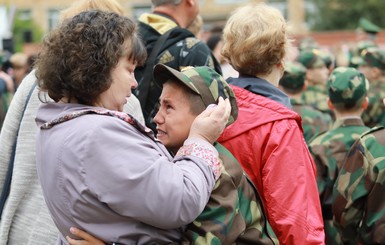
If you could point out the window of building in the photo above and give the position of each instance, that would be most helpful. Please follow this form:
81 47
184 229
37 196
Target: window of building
25 14
53 18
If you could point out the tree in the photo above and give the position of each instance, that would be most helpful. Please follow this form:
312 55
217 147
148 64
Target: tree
25 30
344 14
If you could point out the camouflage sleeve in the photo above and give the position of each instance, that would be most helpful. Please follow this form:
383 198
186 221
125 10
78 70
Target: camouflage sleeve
320 157
233 214
359 206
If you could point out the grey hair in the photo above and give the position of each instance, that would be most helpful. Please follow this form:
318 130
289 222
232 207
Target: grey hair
157 3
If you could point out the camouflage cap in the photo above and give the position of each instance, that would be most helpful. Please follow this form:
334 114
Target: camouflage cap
347 87
202 80
368 26
294 76
374 57
357 53
311 59
307 44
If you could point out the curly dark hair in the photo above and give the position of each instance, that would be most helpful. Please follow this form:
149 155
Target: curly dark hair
77 57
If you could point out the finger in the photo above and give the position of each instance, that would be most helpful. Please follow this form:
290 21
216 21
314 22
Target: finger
81 234
73 241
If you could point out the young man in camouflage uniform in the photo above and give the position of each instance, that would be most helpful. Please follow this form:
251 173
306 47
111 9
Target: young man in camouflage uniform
373 67
293 84
179 50
234 213
347 89
359 206
316 77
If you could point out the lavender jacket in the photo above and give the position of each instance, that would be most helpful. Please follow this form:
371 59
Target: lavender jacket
103 175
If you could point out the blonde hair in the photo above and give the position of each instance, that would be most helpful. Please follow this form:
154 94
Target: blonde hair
255 39
19 60
84 5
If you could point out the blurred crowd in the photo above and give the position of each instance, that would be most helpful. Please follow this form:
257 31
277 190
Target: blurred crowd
301 153
13 68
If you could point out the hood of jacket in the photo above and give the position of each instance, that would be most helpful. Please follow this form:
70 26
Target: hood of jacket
255 109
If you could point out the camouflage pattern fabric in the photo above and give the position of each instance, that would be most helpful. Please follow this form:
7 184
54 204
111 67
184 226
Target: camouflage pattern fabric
203 80
359 206
316 97
374 115
314 121
347 88
293 78
311 59
356 52
234 213
329 151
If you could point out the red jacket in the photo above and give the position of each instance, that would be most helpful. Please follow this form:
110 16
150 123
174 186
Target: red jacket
267 140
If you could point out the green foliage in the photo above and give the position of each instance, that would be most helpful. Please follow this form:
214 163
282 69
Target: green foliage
344 14
24 25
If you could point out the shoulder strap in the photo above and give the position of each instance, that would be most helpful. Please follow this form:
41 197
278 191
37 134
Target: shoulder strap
8 178
166 40
150 63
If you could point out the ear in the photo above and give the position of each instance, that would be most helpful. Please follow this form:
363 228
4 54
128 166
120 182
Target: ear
366 103
308 74
281 65
304 86
376 72
190 2
330 105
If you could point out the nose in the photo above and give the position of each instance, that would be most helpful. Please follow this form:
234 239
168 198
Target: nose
134 83
158 118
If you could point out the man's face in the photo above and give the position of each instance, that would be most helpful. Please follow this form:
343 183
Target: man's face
371 73
174 117
317 75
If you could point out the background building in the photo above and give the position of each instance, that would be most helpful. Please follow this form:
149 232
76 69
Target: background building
44 15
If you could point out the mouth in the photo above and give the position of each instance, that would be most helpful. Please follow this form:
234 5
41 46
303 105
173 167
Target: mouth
160 133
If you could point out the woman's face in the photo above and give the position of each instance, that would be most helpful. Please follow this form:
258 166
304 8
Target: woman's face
123 80
174 118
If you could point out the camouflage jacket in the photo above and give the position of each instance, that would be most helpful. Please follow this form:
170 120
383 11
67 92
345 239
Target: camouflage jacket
359 206
374 115
234 213
329 151
316 97
313 120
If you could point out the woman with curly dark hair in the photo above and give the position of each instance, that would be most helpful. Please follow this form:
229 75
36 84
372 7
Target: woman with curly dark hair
100 169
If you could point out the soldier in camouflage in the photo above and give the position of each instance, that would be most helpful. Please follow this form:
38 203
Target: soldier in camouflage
347 89
373 67
355 55
234 213
316 77
359 206
293 84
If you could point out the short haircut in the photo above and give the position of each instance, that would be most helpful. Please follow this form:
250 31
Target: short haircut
156 3
76 58
255 39
84 5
